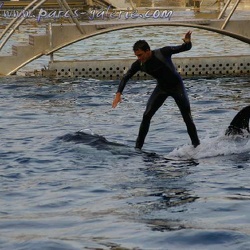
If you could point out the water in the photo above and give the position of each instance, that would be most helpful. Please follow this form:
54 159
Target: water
65 189
70 177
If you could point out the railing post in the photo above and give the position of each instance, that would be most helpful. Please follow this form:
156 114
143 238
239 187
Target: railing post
64 2
224 9
51 42
230 14
197 5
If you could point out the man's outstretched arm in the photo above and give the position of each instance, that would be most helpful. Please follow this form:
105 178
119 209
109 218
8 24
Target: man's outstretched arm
117 99
187 45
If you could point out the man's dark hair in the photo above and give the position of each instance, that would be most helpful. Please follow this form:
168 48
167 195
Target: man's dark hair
141 44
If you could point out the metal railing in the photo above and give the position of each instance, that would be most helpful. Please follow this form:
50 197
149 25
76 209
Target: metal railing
21 17
230 14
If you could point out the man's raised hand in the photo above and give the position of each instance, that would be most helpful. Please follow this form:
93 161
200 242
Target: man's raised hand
187 38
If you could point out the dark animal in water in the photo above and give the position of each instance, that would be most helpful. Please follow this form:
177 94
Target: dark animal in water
240 123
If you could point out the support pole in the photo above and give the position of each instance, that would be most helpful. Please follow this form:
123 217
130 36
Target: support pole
230 14
51 42
72 15
224 9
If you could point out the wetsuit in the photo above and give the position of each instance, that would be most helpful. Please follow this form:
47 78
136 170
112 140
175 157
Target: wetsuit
169 83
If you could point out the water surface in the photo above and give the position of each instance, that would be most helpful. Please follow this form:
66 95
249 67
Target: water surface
71 178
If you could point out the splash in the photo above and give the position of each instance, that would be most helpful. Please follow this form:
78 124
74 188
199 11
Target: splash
214 146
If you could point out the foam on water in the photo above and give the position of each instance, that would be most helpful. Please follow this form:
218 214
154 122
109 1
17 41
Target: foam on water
220 145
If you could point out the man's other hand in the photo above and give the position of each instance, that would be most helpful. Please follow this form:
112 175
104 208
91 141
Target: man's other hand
117 99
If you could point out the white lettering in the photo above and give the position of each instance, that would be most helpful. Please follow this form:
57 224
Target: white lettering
42 13
109 13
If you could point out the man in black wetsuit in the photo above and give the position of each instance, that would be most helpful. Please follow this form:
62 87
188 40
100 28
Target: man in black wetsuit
158 64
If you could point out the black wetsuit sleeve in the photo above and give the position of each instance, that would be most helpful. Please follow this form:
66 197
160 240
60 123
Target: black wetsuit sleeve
169 50
135 67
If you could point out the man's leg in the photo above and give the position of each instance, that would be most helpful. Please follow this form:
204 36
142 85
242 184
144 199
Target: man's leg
184 106
155 101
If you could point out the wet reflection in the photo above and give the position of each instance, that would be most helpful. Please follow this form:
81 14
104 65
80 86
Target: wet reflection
167 191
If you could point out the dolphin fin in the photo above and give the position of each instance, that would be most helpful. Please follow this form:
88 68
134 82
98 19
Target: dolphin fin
239 123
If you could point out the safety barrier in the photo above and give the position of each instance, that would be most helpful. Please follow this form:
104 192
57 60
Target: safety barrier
114 69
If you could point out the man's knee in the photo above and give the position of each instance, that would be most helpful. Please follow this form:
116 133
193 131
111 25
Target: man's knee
146 117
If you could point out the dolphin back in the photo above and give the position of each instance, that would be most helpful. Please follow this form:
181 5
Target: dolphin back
239 123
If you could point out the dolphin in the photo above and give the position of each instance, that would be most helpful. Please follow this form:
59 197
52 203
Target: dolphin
240 123
238 126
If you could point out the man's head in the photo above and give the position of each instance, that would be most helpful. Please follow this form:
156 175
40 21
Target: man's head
142 50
